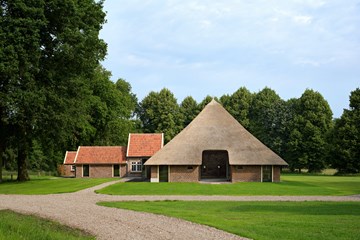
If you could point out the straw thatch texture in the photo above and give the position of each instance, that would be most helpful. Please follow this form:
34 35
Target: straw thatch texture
215 129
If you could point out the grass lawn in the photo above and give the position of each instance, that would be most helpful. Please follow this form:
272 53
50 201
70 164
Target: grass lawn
15 226
289 185
48 185
263 220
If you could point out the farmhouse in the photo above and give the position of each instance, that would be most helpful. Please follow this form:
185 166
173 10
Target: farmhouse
215 146
113 161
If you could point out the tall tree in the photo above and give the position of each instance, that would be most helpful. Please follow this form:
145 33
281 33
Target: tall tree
268 116
189 109
48 51
345 151
310 127
160 112
238 105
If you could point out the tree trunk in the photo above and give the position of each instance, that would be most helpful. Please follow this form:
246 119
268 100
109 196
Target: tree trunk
23 151
1 164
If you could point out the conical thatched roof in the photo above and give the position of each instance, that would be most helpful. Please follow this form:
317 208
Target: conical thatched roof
215 129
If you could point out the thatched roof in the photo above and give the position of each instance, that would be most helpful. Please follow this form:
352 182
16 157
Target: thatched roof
215 129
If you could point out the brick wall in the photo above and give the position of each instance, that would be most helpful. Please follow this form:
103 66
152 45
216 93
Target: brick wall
245 173
123 170
184 174
276 173
99 171
78 171
66 171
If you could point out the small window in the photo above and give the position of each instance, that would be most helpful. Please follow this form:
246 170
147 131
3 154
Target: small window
86 170
116 170
136 166
190 167
72 168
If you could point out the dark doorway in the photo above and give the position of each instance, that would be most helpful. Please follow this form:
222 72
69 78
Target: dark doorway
145 169
214 164
267 173
86 170
116 170
163 173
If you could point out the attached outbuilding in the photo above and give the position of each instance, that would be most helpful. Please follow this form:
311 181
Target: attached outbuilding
215 146
100 161
67 169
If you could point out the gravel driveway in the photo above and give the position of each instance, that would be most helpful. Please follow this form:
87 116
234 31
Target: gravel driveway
80 210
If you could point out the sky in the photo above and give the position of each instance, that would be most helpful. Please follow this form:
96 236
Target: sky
199 48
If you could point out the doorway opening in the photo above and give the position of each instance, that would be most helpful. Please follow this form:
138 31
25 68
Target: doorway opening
215 164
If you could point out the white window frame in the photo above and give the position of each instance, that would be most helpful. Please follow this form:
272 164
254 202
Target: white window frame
136 166
72 168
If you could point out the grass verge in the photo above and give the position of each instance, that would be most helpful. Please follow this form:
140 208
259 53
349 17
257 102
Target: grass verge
49 185
15 226
296 185
263 220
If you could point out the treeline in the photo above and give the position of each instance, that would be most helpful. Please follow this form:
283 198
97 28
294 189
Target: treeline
56 96
301 130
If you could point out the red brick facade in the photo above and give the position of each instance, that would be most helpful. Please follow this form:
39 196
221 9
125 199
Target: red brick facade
245 173
184 174
65 171
276 173
100 171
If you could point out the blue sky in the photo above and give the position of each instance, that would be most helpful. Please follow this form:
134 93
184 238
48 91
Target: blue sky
207 47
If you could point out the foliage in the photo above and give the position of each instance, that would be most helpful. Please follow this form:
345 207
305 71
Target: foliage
159 112
269 116
345 148
309 129
263 220
290 185
189 109
238 105
50 185
19 226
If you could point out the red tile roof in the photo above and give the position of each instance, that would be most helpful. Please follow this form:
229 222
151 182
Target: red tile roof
69 157
100 155
144 144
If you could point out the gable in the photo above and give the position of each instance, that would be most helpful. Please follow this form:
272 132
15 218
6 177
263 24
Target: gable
144 144
69 157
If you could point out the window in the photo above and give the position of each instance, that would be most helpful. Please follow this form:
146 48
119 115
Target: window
72 168
136 166
86 170
116 170
190 167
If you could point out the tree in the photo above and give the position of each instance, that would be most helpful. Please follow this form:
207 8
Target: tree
268 117
238 105
189 110
345 151
311 124
159 112
48 51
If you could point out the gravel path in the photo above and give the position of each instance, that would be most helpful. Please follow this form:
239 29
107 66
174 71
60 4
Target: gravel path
80 210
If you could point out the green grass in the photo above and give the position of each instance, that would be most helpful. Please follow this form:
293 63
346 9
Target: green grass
14 226
290 185
49 185
263 220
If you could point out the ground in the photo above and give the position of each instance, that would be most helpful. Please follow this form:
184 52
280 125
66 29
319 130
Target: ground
79 210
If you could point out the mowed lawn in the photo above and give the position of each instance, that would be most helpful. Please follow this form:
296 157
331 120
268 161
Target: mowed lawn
296 185
14 226
49 185
263 220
